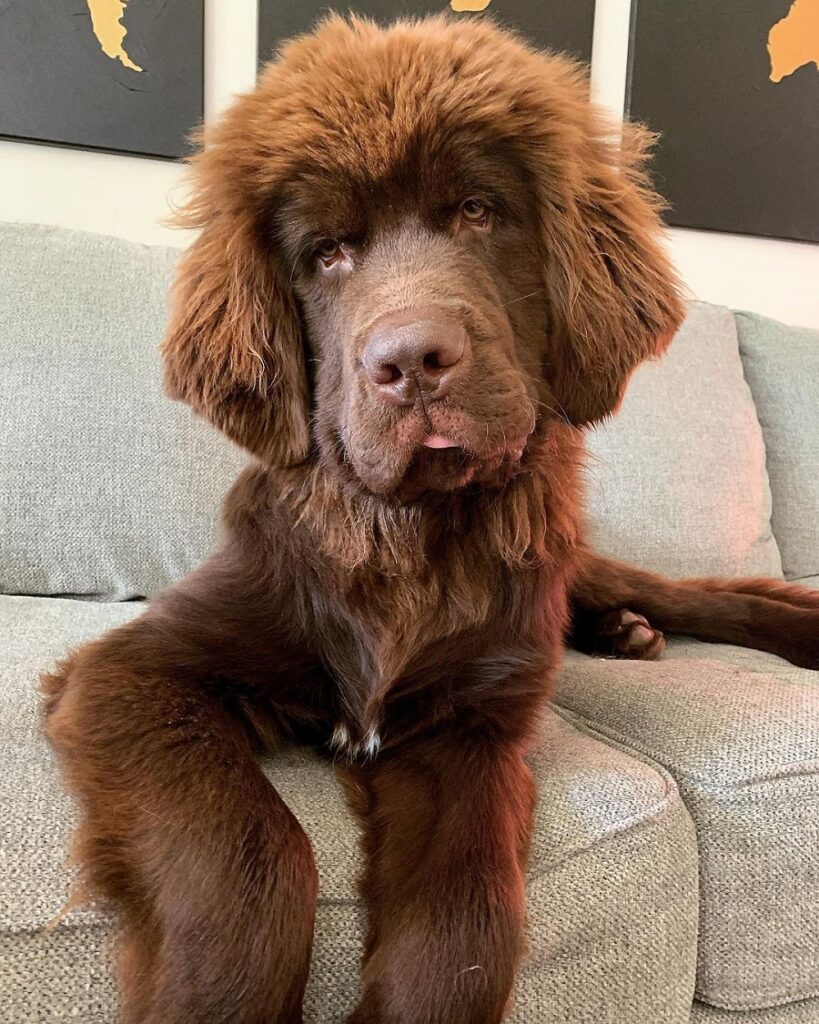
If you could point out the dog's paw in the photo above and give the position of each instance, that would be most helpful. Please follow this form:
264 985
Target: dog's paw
625 634
801 643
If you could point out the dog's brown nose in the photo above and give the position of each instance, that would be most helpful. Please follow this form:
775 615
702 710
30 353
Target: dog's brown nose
413 352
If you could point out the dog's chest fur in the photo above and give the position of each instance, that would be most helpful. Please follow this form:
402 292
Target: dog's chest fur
423 612
435 648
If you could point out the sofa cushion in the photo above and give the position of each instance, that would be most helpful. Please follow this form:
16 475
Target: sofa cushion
782 369
677 480
804 1012
107 488
739 731
612 885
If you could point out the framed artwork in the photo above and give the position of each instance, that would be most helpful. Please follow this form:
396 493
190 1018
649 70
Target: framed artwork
733 89
558 24
121 75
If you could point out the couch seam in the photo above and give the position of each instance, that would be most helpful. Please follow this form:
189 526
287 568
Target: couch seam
627 743
654 813
110 926
771 534
615 738
731 1007
657 815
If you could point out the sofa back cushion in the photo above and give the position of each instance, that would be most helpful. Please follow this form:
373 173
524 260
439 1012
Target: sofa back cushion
782 369
107 489
677 480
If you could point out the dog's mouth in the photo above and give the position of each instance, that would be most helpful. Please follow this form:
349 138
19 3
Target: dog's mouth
438 467
439 449
509 451
439 463
439 442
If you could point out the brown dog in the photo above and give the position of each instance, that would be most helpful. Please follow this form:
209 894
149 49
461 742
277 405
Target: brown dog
423 266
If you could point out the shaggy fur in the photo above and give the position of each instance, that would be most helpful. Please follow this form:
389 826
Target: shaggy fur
395 600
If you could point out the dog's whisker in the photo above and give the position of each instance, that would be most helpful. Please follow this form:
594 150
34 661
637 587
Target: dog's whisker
522 298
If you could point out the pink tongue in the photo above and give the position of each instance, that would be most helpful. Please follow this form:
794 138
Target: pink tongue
439 441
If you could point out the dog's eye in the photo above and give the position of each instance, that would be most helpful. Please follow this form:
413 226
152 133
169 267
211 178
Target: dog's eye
329 251
475 211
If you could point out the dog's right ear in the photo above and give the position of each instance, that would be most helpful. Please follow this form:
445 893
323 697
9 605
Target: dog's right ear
234 350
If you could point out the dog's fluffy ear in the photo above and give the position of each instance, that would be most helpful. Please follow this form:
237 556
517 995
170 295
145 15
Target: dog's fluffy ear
234 350
614 296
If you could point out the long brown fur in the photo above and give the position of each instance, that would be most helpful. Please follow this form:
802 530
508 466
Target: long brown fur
764 614
398 607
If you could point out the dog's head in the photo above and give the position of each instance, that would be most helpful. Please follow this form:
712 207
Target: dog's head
417 245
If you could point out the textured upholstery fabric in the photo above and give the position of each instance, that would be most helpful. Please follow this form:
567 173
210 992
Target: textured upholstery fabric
804 1012
782 369
739 731
677 480
107 488
612 892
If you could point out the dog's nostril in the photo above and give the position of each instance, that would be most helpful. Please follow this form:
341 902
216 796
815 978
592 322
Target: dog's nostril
387 373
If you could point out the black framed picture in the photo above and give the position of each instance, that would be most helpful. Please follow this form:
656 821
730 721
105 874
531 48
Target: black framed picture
565 25
121 75
733 89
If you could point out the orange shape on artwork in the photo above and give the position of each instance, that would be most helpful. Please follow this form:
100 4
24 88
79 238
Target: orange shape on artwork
469 5
793 42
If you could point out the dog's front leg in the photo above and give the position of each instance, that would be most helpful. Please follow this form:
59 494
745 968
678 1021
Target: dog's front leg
447 823
212 876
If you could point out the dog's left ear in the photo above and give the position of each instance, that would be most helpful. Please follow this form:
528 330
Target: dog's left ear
233 350
614 296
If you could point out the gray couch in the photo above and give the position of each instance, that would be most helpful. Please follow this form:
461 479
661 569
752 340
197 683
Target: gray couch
675 872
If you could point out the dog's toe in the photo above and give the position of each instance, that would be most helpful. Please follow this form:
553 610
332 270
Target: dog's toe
631 635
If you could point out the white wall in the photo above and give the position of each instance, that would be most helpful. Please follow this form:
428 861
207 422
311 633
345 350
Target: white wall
129 196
